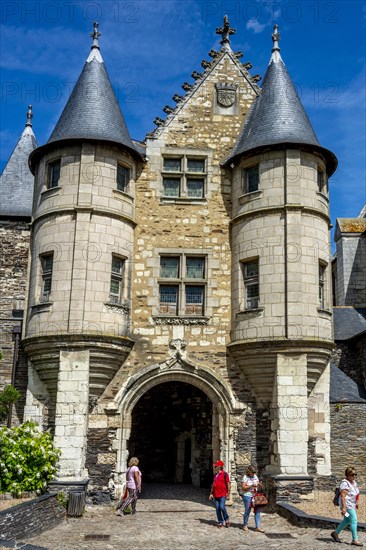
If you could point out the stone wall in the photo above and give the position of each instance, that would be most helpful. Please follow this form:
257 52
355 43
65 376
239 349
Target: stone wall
14 245
31 518
348 439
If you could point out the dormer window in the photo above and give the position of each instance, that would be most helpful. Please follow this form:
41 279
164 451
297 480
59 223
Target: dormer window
251 179
123 178
54 172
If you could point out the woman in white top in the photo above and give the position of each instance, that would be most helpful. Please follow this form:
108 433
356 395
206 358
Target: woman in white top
133 486
250 485
348 502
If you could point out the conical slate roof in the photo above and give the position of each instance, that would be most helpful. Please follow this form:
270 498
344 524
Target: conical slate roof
16 181
92 111
277 117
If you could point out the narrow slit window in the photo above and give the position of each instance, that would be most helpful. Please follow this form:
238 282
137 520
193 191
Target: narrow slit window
251 284
117 277
47 270
123 178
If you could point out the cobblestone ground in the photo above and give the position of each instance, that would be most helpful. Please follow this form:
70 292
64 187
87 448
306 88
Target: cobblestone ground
177 518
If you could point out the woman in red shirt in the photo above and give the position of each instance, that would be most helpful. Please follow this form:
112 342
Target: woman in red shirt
220 491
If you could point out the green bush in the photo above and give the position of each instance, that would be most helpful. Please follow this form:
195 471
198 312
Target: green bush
28 459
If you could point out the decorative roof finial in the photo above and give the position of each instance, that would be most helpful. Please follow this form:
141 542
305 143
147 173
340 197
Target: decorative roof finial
95 35
225 32
276 39
29 116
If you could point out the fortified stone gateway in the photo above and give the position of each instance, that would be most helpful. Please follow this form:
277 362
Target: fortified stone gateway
175 306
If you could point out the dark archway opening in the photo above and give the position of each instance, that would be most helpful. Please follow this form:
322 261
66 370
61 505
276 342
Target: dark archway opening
171 434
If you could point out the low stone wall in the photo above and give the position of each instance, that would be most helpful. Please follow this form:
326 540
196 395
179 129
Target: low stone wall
31 517
302 519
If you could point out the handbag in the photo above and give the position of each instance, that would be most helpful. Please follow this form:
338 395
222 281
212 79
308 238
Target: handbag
259 499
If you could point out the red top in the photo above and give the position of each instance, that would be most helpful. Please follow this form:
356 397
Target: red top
220 486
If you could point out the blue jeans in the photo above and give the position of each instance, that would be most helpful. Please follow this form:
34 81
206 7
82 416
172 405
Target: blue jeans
257 512
351 521
221 512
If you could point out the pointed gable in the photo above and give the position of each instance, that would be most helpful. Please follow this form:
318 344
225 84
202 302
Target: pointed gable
277 117
16 181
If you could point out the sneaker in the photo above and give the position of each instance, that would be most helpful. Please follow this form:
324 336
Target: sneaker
245 528
259 530
335 536
356 543
219 525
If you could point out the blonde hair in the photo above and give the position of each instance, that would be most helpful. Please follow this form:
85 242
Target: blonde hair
133 462
350 470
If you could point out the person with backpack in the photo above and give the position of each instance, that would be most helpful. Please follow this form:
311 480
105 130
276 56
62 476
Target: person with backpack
348 502
250 486
220 491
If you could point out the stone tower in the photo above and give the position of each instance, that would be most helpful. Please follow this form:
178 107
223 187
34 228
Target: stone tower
281 280
16 192
78 313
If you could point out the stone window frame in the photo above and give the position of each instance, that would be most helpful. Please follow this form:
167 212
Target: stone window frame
127 163
50 168
248 281
181 283
321 180
120 277
208 281
46 275
246 190
322 285
121 166
185 153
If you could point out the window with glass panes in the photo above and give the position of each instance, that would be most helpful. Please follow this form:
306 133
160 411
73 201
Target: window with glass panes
54 172
117 277
321 181
184 176
251 179
123 177
47 268
321 285
185 293
251 283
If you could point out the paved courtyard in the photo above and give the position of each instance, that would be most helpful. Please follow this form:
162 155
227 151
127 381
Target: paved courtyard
177 518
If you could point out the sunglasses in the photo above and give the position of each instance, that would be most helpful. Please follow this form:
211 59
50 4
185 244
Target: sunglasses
353 475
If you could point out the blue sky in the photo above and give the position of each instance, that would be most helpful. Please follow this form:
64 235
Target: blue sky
151 47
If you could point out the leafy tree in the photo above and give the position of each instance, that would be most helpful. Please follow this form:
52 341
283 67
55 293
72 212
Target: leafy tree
8 396
28 459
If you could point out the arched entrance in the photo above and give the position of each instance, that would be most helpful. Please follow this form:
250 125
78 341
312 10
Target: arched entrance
174 370
171 433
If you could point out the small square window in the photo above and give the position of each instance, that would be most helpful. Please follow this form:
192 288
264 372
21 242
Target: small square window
195 267
196 165
54 172
123 178
172 164
169 267
171 187
251 179
195 188
168 299
194 300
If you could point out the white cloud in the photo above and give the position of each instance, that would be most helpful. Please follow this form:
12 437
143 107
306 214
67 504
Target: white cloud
254 25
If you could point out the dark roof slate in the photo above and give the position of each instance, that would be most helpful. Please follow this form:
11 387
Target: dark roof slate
277 117
16 181
92 111
343 388
348 322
